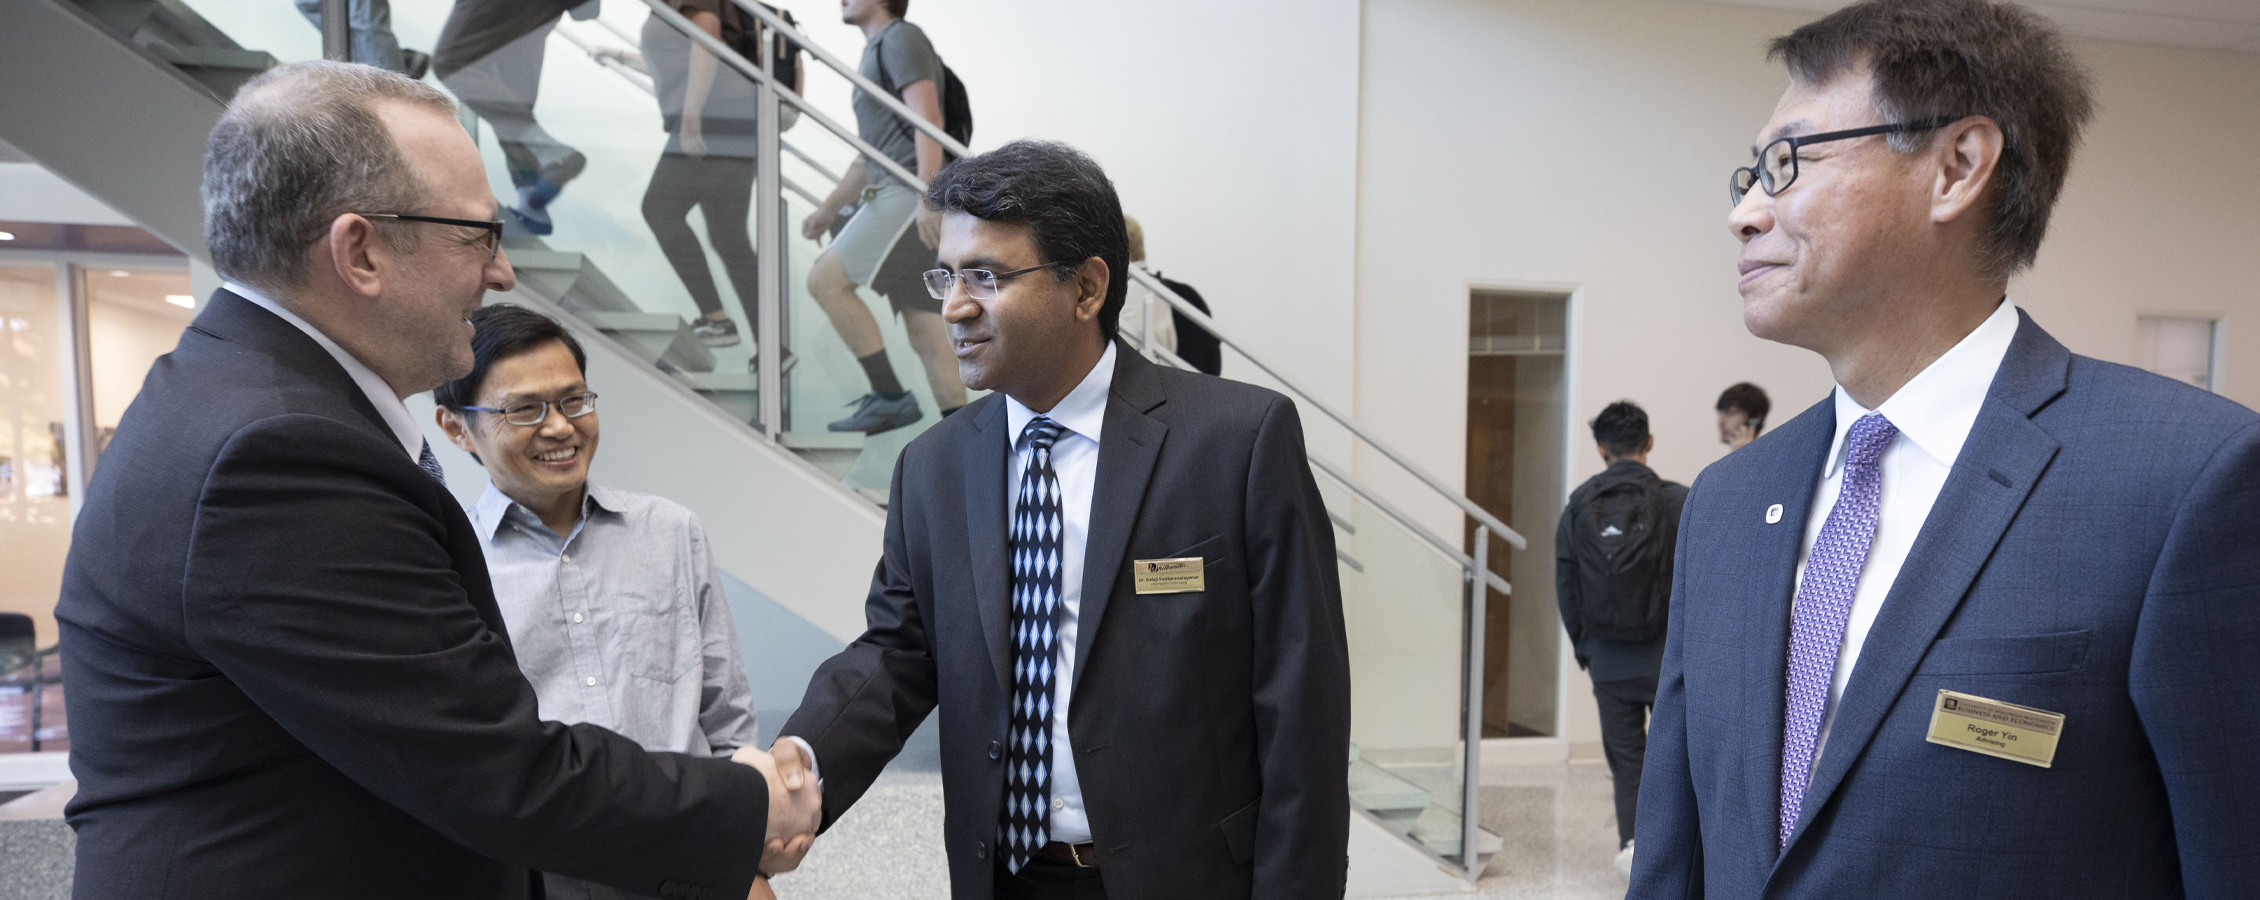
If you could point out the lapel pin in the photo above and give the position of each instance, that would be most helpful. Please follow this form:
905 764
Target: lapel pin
1773 513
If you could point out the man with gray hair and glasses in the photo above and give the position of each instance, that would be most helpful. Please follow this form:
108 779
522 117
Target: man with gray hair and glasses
289 676
1986 621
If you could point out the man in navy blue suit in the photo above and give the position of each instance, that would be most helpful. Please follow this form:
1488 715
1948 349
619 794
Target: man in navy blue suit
1985 622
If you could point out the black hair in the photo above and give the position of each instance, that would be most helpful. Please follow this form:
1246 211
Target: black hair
1621 428
1063 197
502 331
1751 400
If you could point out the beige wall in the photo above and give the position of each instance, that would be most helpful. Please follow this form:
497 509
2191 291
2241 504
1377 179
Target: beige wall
1585 144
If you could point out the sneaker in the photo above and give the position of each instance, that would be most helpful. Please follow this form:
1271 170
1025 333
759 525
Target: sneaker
535 221
1623 863
536 194
875 414
716 332
753 363
415 63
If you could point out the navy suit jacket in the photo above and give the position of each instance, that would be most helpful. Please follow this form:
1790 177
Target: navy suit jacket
2095 552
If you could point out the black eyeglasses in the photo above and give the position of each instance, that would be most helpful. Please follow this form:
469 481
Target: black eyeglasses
535 412
493 227
1777 162
980 284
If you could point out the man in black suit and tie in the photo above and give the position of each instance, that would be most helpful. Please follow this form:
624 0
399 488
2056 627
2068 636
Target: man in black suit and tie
288 676
1116 580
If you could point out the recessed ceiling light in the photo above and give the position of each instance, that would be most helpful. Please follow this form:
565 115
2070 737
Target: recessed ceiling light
119 273
183 300
7 235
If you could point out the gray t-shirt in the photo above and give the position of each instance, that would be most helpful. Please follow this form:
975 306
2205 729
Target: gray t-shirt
898 58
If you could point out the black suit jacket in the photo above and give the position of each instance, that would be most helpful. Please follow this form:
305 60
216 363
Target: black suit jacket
287 676
1211 729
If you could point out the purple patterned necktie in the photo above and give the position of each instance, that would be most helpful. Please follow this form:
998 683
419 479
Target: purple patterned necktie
1824 604
1024 824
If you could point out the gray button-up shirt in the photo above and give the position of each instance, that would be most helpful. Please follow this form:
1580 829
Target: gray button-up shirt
622 623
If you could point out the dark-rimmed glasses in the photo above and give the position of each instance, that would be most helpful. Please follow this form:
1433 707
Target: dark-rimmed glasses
980 284
535 412
493 227
1777 162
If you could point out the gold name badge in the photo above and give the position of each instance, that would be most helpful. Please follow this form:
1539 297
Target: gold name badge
1169 576
1994 728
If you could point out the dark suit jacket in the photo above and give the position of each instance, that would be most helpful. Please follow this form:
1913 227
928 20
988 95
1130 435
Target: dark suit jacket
288 678
2095 552
1211 729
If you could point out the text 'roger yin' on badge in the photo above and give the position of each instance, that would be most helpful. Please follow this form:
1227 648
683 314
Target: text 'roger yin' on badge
2012 732
1169 576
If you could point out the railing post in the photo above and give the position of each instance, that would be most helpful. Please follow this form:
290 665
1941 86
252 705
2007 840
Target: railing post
769 234
337 31
1471 776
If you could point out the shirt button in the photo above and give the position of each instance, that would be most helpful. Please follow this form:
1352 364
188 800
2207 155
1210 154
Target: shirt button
568 557
592 681
1058 803
576 618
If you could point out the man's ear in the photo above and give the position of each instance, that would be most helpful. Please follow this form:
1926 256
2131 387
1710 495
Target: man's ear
1969 155
458 431
357 254
1091 280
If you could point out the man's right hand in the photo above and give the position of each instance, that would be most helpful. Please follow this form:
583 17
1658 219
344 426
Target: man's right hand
794 813
817 223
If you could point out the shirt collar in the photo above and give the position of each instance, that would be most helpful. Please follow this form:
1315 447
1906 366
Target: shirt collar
495 507
380 394
1082 411
1936 409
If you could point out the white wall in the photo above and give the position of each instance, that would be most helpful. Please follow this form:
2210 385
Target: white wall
1587 144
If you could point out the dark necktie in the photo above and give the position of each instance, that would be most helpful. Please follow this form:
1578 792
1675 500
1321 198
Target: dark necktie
1824 605
1025 824
431 465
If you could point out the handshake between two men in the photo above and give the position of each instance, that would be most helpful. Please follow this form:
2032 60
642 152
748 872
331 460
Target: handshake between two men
796 806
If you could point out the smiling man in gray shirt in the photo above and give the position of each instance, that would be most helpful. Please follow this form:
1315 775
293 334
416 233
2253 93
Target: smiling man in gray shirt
611 598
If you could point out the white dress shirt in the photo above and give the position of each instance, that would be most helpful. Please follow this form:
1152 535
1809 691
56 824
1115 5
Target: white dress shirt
388 404
1075 460
1934 413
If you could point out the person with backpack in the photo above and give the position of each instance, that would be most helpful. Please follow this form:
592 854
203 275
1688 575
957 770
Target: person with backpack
898 59
1612 577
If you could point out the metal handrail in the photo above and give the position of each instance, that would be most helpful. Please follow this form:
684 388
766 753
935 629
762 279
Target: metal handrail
951 144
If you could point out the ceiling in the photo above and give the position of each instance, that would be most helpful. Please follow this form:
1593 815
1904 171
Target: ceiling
2204 24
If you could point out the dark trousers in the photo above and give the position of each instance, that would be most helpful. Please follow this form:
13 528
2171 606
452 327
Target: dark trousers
721 188
1043 879
1624 740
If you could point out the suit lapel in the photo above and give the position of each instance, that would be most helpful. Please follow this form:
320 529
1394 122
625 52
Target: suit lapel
2004 457
985 532
1801 451
1129 444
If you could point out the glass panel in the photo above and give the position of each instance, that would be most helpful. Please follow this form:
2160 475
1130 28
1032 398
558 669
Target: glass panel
132 318
1404 605
643 239
35 515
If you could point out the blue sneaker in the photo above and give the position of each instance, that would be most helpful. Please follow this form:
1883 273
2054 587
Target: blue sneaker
875 414
535 221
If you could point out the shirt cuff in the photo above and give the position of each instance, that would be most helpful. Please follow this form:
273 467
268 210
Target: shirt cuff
810 752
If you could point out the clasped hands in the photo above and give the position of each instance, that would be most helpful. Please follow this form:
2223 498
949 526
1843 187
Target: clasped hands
796 803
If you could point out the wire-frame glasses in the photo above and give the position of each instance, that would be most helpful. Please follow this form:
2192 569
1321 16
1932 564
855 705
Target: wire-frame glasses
1777 161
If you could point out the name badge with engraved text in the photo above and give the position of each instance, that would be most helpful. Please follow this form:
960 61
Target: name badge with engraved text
1169 576
1973 723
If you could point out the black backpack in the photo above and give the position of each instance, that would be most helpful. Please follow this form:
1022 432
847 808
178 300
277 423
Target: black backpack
1617 538
957 110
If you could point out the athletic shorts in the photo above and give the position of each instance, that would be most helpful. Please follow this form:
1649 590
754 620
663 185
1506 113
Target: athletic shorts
863 245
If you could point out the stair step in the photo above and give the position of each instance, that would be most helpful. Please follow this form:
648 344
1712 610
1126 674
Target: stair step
655 337
721 381
1439 830
823 440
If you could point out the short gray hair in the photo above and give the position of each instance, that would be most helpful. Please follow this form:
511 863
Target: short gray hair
299 146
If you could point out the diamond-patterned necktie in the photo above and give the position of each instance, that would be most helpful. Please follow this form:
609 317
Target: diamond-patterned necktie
1824 605
1026 820
431 465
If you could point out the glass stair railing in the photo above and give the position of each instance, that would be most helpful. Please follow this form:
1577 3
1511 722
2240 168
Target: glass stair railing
1407 591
